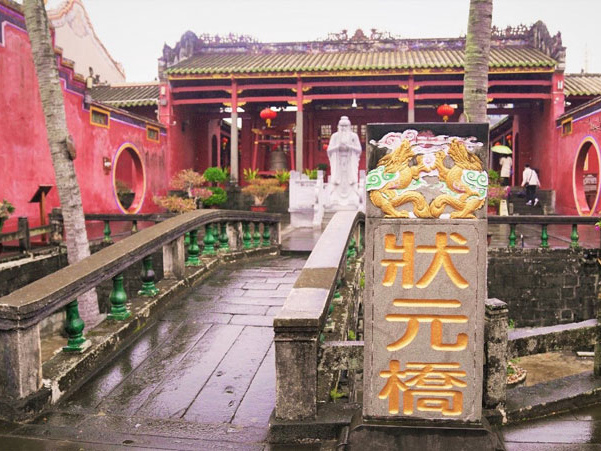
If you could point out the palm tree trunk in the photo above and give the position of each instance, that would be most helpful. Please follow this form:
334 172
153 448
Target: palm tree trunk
61 145
477 50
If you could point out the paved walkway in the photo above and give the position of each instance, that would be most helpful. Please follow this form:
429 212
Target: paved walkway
201 377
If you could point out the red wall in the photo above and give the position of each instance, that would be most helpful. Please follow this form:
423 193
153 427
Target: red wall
25 157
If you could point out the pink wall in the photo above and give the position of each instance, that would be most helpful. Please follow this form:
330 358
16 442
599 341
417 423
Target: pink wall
25 157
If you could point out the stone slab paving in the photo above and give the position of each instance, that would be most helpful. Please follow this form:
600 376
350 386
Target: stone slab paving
201 377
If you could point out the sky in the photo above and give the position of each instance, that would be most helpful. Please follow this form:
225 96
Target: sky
134 31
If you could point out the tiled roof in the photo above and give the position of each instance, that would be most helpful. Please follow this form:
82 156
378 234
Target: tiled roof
582 84
127 95
217 63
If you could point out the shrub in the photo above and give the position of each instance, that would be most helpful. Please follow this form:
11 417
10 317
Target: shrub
175 204
122 187
218 197
250 174
322 167
215 175
261 189
187 179
282 176
6 209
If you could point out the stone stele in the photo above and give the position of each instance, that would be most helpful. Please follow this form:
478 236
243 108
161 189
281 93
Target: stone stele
424 320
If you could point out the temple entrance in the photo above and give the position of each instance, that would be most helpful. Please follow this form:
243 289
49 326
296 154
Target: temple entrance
585 180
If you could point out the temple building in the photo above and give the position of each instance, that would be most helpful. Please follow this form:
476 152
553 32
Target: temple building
208 107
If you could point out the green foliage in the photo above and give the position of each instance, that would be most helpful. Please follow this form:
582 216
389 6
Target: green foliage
282 176
322 167
219 197
6 209
351 335
250 174
335 394
511 324
215 175
311 173
493 177
362 281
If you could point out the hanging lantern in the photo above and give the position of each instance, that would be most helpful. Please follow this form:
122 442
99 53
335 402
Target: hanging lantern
267 115
445 111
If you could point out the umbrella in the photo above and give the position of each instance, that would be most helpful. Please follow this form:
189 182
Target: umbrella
502 149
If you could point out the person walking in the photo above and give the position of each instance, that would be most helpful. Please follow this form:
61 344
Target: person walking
530 181
506 163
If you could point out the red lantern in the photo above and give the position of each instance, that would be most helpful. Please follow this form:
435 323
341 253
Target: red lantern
445 111
267 114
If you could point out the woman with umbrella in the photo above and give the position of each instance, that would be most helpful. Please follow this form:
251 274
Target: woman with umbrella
506 162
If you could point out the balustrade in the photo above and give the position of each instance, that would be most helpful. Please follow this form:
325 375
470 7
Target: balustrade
22 310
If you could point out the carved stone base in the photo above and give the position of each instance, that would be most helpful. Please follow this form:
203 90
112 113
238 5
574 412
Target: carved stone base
422 436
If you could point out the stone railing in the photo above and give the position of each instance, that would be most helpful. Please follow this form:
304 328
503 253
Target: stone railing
544 221
21 312
309 315
502 344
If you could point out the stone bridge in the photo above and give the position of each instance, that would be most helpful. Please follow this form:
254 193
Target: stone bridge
232 345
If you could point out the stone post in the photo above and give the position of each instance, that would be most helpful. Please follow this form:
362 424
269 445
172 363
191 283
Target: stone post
495 353
296 374
425 288
174 258
25 241
21 357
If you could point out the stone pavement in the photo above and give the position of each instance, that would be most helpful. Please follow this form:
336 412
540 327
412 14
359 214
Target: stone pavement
201 377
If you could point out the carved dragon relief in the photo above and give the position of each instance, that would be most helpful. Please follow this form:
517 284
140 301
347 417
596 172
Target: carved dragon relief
430 173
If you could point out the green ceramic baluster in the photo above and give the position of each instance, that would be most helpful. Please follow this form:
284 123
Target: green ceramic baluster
544 237
118 298
224 242
574 236
193 249
266 235
246 237
512 236
256 235
337 294
209 241
352 249
107 232
74 329
187 239
148 287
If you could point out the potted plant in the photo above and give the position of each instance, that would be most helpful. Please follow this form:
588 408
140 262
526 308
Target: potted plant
218 197
6 209
311 173
283 177
186 180
125 194
250 174
260 190
496 192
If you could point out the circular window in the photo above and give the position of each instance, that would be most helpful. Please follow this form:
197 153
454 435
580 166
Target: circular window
585 177
129 180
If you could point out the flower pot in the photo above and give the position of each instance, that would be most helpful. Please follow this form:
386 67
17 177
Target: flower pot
260 208
492 209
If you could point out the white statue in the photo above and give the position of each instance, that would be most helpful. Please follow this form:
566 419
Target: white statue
344 151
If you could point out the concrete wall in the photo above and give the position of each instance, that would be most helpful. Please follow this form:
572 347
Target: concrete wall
545 287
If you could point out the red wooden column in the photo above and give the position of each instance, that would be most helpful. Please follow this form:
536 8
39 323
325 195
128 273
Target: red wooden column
411 95
299 126
235 169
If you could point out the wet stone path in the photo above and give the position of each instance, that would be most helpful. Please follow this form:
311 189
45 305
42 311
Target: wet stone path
201 377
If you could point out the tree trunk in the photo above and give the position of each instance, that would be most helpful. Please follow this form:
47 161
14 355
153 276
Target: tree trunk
477 50
61 146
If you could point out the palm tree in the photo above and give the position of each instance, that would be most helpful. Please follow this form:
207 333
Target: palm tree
61 145
477 50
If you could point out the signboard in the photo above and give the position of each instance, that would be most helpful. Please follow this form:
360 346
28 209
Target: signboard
425 271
